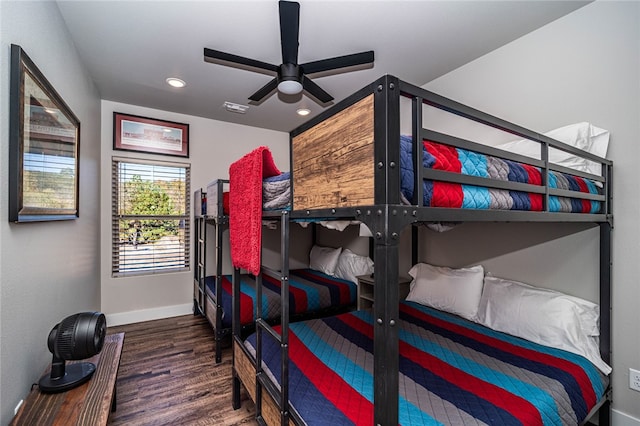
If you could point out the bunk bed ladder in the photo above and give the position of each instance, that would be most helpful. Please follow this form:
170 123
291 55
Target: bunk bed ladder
219 223
199 272
280 396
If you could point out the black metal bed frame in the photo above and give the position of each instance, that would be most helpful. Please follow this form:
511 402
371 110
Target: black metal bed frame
388 216
220 222
199 253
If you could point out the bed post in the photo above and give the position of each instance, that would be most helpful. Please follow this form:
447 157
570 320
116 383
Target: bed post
219 332
284 330
415 234
235 330
385 332
386 230
387 226
604 414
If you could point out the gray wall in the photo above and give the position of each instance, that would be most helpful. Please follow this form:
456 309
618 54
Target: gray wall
582 67
47 270
213 146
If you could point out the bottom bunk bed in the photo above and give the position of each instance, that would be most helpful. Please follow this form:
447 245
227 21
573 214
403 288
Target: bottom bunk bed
311 293
452 371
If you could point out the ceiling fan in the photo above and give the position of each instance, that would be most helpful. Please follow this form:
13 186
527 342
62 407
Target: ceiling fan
290 77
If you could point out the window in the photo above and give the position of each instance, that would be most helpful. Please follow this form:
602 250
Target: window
150 218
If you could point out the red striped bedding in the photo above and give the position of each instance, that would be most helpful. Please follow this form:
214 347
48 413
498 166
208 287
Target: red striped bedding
452 371
457 160
310 291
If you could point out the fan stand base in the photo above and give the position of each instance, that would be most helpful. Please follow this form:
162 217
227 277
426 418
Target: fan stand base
75 375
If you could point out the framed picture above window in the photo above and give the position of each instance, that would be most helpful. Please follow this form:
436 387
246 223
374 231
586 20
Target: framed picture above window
151 136
44 142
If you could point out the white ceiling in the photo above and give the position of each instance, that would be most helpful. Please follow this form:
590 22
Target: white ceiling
131 47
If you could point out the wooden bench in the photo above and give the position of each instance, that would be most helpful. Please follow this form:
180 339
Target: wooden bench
88 404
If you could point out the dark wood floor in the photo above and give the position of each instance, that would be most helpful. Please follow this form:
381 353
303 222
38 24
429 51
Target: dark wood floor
168 376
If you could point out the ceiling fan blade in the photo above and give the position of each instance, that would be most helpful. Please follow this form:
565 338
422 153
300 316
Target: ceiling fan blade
338 62
236 61
316 91
264 91
289 31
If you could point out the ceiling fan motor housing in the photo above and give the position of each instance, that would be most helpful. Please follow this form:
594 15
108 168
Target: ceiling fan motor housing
290 79
289 72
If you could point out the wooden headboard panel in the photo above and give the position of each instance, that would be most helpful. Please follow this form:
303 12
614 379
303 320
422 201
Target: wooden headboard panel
333 163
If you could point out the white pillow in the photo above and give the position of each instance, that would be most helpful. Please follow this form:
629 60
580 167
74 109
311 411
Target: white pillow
324 259
350 265
542 316
456 291
584 136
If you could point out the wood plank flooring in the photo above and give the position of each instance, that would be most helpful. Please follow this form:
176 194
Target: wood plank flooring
168 376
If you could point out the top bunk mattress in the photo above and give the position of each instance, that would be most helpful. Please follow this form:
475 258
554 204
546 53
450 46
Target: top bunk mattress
447 158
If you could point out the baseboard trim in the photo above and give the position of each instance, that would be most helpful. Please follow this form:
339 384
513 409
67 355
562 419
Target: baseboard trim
620 419
122 318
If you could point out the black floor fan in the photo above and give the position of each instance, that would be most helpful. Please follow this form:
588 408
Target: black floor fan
77 337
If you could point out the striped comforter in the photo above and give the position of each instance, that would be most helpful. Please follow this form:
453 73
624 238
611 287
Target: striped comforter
444 194
309 291
452 372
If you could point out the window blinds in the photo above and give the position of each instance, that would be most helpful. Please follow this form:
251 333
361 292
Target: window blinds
150 217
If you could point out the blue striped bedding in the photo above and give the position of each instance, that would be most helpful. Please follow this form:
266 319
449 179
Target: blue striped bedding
452 372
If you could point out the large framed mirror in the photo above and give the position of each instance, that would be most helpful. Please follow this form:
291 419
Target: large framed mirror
44 142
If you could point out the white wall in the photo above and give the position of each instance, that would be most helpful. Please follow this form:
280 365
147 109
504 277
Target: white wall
48 270
213 146
582 67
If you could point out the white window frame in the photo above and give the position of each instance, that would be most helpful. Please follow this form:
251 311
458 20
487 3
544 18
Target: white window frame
132 254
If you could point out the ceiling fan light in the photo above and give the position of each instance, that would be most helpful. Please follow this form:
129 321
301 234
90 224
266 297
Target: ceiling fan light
290 87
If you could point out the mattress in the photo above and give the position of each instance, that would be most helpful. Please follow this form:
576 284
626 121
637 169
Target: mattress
452 195
310 291
276 194
452 371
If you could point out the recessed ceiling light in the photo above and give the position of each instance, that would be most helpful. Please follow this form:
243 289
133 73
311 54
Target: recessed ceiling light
303 111
176 82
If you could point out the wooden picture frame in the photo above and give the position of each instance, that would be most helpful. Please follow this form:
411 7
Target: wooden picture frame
149 135
44 143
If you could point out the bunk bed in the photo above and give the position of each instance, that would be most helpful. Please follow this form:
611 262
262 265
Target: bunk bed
347 163
210 212
312 292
